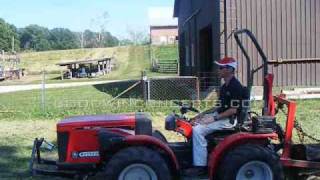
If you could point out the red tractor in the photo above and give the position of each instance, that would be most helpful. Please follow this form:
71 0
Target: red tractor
125 147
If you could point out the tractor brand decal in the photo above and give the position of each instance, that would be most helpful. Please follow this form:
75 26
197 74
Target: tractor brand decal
86 154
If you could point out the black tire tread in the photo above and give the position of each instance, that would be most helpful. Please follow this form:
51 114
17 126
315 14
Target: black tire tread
235 158
131 155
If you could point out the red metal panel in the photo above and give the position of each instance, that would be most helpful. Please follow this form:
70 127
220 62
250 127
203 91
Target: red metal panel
89 142
184 128
286 162
291 105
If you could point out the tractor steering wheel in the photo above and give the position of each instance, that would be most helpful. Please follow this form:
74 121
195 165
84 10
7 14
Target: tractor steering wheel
184 108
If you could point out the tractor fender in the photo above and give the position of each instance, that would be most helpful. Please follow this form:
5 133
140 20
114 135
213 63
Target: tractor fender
232 141
145 140
111 141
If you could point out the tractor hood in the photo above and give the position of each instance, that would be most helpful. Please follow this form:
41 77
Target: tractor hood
89 121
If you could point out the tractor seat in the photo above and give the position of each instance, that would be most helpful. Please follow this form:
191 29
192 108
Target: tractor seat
143 124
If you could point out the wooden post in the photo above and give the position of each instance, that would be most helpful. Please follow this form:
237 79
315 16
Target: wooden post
61 72
43 94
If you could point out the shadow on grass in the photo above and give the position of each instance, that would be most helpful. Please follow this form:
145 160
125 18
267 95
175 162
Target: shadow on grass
14 162
11 165
115 88
56 78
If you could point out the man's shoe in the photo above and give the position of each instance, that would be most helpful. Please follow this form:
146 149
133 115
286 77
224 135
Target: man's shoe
195 171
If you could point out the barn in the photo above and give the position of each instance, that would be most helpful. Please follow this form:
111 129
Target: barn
163 34
287 30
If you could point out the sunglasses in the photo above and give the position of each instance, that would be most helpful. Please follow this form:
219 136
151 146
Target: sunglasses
223 67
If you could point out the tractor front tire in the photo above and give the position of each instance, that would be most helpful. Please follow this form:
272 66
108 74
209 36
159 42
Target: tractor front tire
250 162
137 163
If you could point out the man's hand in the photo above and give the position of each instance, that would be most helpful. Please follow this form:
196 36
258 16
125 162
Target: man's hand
207 119
195 120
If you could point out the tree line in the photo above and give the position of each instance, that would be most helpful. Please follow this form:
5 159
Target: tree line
38 38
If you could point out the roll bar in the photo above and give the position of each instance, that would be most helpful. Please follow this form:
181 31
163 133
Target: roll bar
250 71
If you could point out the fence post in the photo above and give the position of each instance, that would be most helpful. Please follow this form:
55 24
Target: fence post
198 88
148 90
144 79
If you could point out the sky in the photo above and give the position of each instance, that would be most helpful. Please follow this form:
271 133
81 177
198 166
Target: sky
78 15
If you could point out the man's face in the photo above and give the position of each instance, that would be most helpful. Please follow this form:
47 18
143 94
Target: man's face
224 71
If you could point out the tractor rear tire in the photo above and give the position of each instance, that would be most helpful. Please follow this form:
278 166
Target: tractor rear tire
137 163
250 162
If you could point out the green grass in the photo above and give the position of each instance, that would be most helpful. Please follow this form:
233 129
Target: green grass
168 52
25 119
36 61
130 61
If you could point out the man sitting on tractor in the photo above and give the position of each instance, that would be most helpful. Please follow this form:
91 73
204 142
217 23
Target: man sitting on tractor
220 117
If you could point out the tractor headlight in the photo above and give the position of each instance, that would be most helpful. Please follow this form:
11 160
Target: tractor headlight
170 122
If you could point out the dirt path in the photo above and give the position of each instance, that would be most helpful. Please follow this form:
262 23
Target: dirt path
15 88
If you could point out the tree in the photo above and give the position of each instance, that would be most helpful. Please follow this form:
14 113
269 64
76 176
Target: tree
101 21
7 34
109 40
35 37
90 40
61 38
126 42
137 36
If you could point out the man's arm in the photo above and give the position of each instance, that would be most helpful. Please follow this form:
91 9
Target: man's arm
229 112
211 110
209 119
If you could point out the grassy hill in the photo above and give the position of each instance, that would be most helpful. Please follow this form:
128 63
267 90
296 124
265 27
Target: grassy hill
168 52
135 58
34 62
130 61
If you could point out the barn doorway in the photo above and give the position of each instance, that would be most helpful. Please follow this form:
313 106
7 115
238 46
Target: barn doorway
206 58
